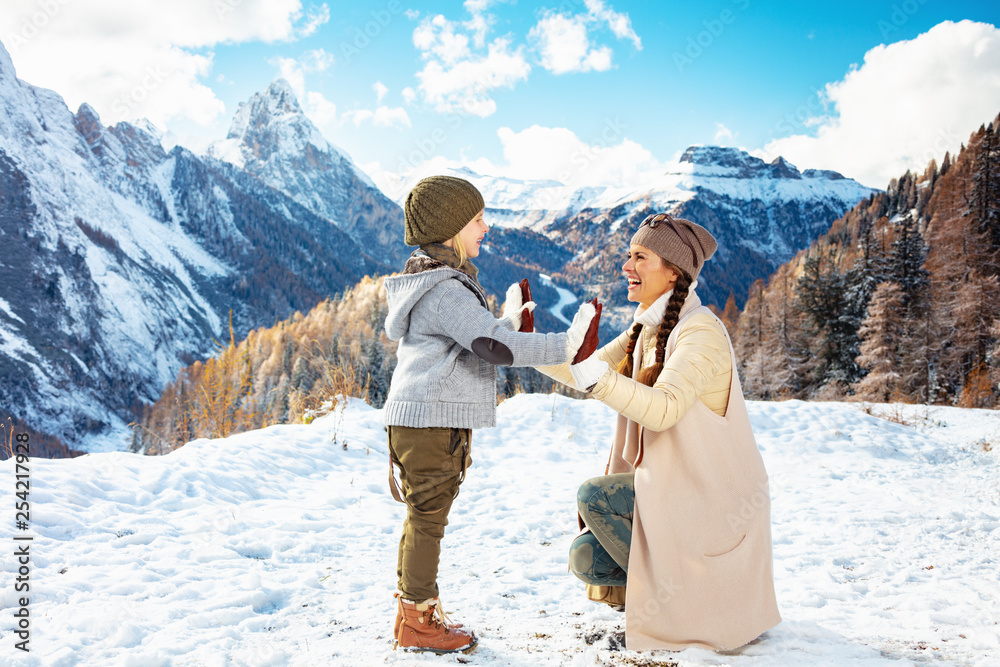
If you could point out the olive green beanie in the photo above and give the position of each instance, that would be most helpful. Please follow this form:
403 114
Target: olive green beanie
438 208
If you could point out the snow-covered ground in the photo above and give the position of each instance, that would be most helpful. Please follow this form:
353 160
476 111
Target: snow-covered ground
278 547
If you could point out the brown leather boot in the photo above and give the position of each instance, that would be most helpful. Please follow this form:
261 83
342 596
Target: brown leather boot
423 626
399 619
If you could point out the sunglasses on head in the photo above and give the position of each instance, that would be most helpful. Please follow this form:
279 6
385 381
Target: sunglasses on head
653 220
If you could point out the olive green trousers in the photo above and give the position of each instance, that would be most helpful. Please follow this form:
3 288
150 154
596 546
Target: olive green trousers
432 464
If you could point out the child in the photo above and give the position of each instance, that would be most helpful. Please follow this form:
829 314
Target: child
444 386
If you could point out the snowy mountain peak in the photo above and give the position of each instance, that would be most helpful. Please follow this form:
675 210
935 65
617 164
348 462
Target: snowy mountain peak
6 65
279 95
721 156
272 138
277 105
824 174
88 124
142 141
734 163
272 126
782 168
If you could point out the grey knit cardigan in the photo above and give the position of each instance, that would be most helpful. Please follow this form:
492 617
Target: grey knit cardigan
439 316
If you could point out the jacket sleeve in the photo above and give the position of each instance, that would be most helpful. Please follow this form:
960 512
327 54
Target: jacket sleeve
612 353
463 318
701 353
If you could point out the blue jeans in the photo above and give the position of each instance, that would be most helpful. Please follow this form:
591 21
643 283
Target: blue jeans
606 504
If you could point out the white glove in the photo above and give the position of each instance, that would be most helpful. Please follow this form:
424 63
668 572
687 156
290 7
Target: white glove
512 307
578 329
588 372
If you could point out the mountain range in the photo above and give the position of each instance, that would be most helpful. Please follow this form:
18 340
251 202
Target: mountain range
122 262
761 213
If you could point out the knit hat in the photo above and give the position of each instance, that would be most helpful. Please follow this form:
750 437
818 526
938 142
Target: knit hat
681 242
438 208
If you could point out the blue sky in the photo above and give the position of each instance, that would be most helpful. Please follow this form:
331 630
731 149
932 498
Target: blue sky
584 91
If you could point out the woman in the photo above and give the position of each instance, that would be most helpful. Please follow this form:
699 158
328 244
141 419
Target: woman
444 385
682 516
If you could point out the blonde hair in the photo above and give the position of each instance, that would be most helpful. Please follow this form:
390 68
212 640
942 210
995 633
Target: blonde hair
459 248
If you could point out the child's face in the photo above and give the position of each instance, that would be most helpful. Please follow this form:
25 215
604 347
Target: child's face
472 235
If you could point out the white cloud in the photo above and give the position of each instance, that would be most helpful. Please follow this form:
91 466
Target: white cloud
381 115
558 154
456 80
320 110
395 184
291 70
316 60
722 134
139 58
565 42
620 24
459 76
564 46
543 153
480 23
294 70
909 102
318 17
437 38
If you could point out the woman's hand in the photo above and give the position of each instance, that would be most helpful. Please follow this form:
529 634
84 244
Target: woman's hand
590 341
586 368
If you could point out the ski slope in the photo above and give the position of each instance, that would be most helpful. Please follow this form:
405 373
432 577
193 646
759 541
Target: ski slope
278 547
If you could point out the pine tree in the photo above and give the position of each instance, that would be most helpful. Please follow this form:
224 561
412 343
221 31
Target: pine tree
984 204
789 354
880 345
906 261
730 315
834 318
921 340
748 344
976 307
869 270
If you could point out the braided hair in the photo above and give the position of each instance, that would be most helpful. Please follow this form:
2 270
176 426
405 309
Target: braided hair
648 375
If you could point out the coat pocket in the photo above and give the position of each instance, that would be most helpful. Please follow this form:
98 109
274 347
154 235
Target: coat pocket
725 548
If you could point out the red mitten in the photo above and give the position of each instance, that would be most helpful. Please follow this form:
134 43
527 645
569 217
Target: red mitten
590 341
527 317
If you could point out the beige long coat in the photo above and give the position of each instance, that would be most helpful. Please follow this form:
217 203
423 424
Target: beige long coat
700 563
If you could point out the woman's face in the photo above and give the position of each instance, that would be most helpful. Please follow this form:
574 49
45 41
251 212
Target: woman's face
648 276
472 235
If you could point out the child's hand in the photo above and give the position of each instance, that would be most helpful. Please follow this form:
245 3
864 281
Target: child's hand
527 312
515 308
